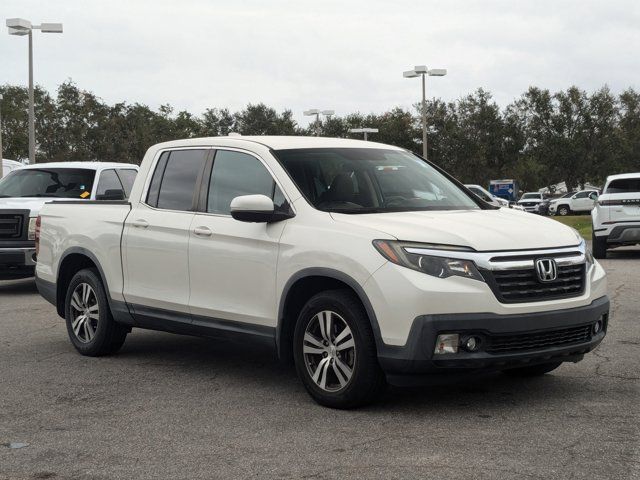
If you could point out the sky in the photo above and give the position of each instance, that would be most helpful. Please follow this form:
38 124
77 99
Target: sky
342 55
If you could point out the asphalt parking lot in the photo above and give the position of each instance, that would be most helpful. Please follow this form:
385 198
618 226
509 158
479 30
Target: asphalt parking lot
177 407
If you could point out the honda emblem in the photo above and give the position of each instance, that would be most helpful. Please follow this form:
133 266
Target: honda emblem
546 269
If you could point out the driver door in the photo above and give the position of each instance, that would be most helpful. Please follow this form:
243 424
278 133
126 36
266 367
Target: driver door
232 264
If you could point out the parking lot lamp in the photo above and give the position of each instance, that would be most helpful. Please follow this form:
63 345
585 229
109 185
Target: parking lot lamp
423 71
317 113
21 27
365 130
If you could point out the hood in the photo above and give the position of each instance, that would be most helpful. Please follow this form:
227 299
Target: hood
482 230
34 204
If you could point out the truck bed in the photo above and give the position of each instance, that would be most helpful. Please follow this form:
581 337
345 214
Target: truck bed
93 228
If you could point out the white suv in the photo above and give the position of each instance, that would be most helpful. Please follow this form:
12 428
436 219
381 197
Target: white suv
616 216
573 202
362 262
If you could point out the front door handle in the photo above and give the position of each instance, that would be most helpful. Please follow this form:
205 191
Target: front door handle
203 231
140 223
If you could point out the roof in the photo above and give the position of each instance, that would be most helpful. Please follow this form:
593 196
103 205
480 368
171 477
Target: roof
280 142
623 175
88 165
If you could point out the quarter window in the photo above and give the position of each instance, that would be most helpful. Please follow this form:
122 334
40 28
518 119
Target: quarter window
235 174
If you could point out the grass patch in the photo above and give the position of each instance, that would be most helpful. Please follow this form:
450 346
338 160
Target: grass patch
582 223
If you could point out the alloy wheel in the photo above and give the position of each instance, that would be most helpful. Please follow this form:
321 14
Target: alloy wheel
329 351
85 312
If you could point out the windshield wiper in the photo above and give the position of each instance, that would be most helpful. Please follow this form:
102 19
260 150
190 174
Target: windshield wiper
357 210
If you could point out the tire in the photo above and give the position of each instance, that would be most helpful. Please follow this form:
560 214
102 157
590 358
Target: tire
90 325
563 211
349 343
533 370
599 246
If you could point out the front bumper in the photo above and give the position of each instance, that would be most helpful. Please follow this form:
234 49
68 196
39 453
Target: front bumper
18 262
415 362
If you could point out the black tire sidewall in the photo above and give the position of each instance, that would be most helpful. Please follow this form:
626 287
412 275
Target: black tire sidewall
565 210
366 370
96 345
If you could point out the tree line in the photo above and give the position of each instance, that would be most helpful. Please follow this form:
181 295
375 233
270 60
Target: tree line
541 138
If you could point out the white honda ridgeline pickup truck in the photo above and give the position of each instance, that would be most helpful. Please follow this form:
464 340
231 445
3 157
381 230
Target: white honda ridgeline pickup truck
360 261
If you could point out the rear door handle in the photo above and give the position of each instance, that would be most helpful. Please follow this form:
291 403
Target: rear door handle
140 223
203 231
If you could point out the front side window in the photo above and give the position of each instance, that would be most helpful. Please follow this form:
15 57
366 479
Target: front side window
48 182
174 180
623 185
368 180
235 174
582 195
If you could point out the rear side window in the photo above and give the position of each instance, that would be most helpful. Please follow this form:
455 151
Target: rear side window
624 185
174 180
235 174
108 181
127 176
582 195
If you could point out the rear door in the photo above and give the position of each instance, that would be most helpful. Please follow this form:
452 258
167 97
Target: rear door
233 263
156 236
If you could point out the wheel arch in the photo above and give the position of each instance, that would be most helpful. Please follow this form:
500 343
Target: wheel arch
72 261
303 285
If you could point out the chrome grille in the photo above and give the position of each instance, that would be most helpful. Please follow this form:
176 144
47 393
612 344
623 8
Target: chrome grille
522 285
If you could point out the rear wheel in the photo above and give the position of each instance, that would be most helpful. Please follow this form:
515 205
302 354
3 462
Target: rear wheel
599 246
563 210
90 325
335 352
533 370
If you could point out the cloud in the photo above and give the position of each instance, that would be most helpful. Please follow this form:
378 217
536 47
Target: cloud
345 55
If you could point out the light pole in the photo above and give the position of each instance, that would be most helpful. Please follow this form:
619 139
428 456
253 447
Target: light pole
423 71
317 113
365 130
21 27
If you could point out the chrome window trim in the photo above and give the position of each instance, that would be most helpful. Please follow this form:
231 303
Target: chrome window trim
484 259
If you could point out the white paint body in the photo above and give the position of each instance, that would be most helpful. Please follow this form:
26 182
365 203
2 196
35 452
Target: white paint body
239 272
579 202
617 209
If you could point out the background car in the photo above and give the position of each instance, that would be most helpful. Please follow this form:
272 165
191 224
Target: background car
9 166
573 202
488 196
531 201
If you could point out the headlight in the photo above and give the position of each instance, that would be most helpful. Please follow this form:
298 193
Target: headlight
436 266
32 229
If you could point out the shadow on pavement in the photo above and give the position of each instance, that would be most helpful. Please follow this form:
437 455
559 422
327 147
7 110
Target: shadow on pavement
26 286
257 367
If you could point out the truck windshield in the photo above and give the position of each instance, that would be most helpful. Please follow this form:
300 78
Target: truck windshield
368 180
531 196
48 182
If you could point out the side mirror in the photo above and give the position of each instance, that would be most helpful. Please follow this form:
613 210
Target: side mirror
256 209
112 194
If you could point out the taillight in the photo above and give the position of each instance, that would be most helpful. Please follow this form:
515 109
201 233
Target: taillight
37 234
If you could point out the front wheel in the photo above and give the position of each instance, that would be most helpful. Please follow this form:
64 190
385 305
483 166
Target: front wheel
533 370
90 325
563 210
335 353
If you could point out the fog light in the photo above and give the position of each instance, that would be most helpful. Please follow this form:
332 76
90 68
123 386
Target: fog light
597 327
472 344
447 343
